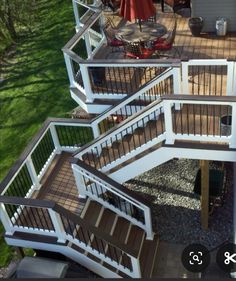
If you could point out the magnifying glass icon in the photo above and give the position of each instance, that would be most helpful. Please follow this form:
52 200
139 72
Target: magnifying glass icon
196 258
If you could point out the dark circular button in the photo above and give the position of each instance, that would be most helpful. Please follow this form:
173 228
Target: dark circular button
226 257
195 258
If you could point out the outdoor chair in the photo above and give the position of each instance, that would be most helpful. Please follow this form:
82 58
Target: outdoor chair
162 45
175 4
138 50
110 24
150 19
113 5
112 41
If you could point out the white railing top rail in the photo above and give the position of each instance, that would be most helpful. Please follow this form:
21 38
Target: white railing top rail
79 35
120 127
162 76
33 144
211 100
11 200
207 62
112 185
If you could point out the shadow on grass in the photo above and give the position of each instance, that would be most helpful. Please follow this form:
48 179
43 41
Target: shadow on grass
35 83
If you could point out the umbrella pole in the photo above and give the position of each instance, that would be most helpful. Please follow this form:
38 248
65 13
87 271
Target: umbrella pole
140 24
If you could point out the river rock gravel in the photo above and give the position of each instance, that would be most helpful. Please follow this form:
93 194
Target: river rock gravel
176 208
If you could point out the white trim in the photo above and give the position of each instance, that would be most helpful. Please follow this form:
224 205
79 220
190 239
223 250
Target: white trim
67 251
58 225
87 83
32 173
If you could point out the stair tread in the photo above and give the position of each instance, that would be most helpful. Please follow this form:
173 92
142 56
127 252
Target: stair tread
121 229
77 248
92 212
129 142
136 237
147 256
107 220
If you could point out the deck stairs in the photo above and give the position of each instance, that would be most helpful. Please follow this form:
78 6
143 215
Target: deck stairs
113 235
121 230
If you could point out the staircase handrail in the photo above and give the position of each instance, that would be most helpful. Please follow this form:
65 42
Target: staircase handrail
73 217
134 117
159 78
119 126
33 143
135 197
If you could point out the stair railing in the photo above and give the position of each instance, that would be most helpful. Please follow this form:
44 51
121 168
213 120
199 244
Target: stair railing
56 135
131 104
113 148
112 195
176 117
48 219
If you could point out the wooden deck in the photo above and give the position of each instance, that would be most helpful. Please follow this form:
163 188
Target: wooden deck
60 185
207 46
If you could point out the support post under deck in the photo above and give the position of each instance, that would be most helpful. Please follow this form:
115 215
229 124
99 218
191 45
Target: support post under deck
204 164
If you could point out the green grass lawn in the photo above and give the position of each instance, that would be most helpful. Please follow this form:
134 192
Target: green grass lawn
35 85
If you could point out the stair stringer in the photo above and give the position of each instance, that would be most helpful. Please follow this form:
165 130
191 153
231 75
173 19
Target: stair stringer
141 165
164 154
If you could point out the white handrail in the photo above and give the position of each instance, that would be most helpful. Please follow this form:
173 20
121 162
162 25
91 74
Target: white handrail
146 224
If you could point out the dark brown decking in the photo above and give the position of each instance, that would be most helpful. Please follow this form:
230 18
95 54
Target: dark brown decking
60 186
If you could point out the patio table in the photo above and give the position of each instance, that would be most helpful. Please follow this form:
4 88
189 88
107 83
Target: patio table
150 31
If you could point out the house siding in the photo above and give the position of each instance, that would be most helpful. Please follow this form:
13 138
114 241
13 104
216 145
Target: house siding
210 10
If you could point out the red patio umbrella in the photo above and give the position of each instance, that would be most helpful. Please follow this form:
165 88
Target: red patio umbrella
137 9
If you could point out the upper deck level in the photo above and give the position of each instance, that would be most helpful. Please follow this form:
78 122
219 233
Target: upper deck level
205 65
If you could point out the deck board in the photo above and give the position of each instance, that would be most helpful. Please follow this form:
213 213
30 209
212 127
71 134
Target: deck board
206 46
203 80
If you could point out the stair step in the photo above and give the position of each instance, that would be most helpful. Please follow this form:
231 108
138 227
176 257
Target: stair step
139 131
116 255
127 137
121 229
126 261
107 221
136 238
116 145
122 274
148 255
94 258
77 248
93 212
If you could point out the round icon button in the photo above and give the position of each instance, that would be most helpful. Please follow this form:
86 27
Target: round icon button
195 258
226 257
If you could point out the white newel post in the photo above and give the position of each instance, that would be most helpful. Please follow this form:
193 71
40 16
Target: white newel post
87 44
177 81
96 131
148 223
185 82
135 267
87 83
5 220
70 69
76 13
170 138
177 84
230 78
55 138
32 173
232 143
58 226
234 81
79 182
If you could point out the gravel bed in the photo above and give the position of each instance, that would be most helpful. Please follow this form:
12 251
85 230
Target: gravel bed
176 208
